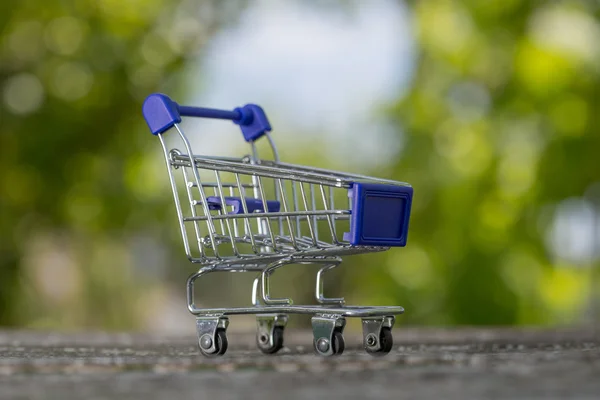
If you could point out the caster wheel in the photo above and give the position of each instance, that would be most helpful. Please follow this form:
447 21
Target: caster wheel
386 342
337 346
222 342
220 345
264 345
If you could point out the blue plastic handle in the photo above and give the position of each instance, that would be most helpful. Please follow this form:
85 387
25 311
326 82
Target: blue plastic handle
161 113
201 112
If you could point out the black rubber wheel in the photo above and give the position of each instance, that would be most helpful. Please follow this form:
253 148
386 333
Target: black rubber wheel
221 344
386 341
264 346
339 344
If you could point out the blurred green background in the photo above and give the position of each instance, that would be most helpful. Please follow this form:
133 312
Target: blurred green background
488 108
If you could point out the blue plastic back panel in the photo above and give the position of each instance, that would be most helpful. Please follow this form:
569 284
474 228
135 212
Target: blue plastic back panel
380 214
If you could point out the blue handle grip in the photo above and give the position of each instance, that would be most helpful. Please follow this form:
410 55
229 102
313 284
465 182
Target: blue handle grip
201 112
161 113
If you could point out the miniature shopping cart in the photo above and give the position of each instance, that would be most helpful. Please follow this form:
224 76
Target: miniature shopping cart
250 214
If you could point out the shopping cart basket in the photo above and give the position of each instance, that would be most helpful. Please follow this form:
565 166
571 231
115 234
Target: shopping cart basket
251 214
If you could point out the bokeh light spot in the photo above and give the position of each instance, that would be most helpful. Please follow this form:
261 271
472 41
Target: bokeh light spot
522 271
156 51
25 42
469 101
572 237
64 35
520 146
72 81
82 208
145 76
20 186
446 17
515 176
496 214
568 31
564 290
53 268
569 115
466 147
186 35
541 70
142 177
23 93
411 268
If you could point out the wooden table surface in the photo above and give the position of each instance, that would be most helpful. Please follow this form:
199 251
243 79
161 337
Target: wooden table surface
424 364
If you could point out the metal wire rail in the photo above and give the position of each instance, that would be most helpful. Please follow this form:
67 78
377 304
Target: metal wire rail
250 214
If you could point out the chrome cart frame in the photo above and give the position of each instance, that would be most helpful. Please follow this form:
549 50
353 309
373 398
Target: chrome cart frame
255 215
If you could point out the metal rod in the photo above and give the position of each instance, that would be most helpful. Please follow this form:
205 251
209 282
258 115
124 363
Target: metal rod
273 214
210 224
329 218
288 219
186 244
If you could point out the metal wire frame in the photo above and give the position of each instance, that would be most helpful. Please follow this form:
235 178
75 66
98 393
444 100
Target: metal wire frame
285 306
250 241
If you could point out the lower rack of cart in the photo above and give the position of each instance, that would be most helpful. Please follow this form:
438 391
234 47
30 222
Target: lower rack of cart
328 325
